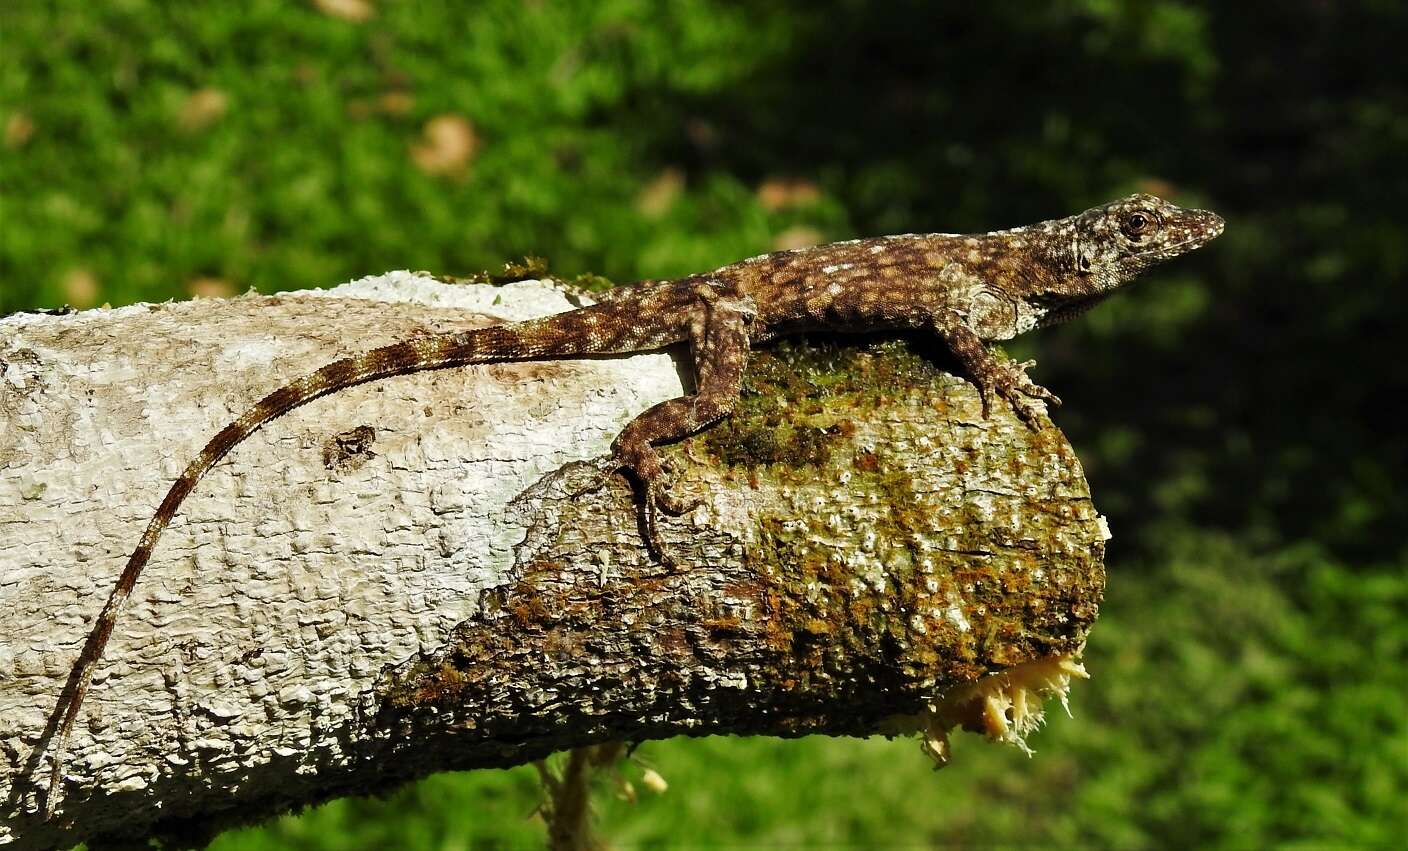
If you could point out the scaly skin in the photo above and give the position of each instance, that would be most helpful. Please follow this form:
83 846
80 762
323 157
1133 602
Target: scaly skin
969 290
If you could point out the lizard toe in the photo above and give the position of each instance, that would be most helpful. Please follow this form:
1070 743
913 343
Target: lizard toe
1028 413
650 532
673 505
1036 391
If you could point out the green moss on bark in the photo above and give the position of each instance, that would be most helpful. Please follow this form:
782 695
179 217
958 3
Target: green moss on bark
869 542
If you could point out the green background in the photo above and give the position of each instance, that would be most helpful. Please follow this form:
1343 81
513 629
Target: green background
1234 411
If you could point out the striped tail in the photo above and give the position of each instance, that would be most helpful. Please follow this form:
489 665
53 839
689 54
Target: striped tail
552 336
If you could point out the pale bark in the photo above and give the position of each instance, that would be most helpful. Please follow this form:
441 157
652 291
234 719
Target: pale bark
392 580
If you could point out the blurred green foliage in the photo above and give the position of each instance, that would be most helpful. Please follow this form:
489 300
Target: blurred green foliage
1234 412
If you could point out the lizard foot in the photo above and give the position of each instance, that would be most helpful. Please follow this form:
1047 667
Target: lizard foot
1011 382
664 496
652 478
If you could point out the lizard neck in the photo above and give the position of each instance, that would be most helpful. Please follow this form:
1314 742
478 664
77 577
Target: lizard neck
1057 287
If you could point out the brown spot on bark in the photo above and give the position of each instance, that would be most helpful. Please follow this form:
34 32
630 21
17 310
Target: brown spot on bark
345 452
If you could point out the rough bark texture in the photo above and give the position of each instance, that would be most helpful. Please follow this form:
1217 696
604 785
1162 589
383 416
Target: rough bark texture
397 579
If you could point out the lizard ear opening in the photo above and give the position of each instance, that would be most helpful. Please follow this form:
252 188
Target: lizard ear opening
1084 264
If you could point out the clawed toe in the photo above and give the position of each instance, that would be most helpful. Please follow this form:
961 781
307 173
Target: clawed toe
1036 391
651 475
673 505
1027 413
1024 384
652 504
1014 386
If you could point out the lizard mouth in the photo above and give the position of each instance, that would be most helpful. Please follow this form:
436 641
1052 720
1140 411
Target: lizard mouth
1166 252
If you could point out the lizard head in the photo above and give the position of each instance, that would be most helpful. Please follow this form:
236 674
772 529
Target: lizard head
1116 242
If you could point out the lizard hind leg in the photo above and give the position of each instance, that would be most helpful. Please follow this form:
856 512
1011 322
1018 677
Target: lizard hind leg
719 342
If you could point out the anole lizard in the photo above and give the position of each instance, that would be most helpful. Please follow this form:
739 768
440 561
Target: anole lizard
968 290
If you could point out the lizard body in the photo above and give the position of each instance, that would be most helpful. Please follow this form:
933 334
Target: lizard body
968 290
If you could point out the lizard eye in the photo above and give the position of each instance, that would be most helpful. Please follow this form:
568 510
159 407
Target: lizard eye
1137 224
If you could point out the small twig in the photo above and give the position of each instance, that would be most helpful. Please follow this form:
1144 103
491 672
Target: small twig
568 810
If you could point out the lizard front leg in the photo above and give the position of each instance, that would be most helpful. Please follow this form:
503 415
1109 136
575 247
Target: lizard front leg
719 341
1004 378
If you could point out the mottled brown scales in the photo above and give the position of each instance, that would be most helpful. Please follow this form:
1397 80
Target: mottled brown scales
969 290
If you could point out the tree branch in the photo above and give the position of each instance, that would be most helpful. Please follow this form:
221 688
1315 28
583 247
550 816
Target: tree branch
398 579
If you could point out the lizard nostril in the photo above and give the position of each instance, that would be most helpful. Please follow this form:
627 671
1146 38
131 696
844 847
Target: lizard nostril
1213 224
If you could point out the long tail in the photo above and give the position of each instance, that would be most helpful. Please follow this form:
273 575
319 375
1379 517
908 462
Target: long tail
560 335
